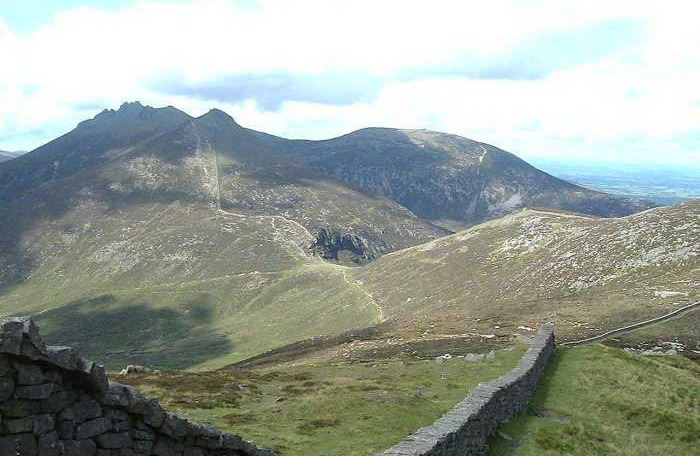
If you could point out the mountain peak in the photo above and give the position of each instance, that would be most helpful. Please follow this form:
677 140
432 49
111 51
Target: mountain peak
217 118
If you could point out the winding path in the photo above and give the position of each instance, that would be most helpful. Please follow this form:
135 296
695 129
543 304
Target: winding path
370 298
635 326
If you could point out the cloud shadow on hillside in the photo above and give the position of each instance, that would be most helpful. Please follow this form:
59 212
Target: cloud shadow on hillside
116 331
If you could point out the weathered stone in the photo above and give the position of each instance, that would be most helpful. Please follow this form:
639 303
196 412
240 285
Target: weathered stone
174 426
35 391
153 414
193 451
17 426
53 377
210 442
79 448
232 442
116 415
123 452
59 401
92 428
5 366
65 357
28 374
26 445
167 447
66 430
42 424
31 334
143 434
114 440
8 445
82 411
7 388
50 445
121 426
11 334
115 395
143 446
18 408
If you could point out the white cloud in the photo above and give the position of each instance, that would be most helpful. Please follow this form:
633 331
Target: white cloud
419 63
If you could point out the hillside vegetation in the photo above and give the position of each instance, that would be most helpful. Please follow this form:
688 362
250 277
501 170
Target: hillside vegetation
330 409
597 400
148 236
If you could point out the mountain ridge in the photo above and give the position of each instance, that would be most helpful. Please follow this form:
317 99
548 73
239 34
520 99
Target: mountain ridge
195 241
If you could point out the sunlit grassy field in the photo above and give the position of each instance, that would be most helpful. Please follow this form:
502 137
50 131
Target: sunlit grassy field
596 400
349 409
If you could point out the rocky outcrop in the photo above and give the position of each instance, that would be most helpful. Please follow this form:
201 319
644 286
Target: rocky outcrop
464 430
55 403
329 243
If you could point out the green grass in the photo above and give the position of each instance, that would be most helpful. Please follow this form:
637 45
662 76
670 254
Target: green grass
326 410
597 400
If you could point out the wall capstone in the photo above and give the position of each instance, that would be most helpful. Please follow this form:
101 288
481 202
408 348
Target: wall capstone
55 403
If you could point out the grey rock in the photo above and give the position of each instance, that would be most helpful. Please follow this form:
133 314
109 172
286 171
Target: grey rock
53 377
18 408
11 334
82 411
92 428
114 440
79 448
36 391
50 445
66 430
143 434
194 451
42 424
5 366
17 426
59 401
174 426
64 357
7 388
28 374
167 447
143 446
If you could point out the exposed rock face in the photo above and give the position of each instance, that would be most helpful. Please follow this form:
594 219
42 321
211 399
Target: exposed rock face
55 403
442 176
93 142
329 243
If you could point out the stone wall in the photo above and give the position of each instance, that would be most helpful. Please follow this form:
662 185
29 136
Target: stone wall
54 403
463 431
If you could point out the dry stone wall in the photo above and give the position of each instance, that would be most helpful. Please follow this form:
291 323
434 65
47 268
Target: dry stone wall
464 430
54 403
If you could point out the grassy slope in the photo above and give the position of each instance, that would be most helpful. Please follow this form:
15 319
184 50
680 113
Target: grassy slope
180 286
596 400
584 274
336 409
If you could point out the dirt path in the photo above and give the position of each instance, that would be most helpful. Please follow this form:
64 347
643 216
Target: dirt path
370 298
635 326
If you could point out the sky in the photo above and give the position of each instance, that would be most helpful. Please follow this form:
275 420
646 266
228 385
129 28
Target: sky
599 81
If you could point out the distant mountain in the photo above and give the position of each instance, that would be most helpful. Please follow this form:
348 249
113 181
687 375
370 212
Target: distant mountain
5 155
450 179
161 238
